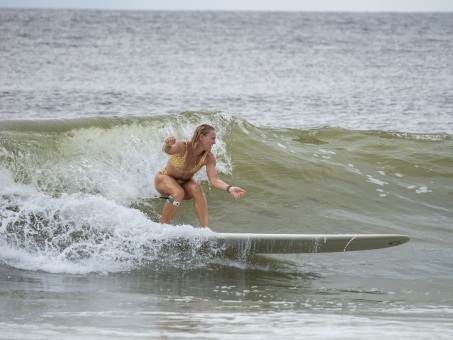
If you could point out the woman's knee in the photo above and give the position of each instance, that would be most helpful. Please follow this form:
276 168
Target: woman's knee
178 194
193 190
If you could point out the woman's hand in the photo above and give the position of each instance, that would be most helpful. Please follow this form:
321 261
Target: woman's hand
237 192
169 141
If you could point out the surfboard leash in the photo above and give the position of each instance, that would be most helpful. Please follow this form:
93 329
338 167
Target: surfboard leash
54 193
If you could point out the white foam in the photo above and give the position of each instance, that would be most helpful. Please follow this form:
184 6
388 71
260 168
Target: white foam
422 190
382 193
373 180
85 233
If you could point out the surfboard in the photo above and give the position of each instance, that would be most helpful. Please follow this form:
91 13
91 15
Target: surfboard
248 243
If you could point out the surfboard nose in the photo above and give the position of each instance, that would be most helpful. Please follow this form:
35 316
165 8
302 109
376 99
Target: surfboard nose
306 243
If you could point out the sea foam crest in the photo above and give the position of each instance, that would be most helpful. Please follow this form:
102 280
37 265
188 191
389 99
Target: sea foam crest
85 233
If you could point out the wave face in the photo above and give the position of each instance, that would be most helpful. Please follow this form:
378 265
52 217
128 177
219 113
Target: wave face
77 195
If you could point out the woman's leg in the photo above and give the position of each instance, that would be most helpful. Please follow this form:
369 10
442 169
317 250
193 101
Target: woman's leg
194 190
168 186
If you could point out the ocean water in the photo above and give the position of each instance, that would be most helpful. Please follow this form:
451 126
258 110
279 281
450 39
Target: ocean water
334 123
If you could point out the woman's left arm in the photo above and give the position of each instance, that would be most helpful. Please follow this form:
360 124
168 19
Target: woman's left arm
217 183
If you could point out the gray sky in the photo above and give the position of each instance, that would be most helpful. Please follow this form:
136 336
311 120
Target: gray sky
266 5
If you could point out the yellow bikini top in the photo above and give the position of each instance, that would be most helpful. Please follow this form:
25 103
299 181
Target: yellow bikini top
179 162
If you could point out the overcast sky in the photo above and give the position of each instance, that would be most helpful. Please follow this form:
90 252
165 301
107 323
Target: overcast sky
266 5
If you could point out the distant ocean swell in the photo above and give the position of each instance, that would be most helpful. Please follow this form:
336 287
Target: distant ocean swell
325 180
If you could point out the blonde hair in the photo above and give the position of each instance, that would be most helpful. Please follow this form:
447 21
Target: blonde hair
201 130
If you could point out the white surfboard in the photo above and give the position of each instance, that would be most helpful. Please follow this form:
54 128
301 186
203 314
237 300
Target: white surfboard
304 243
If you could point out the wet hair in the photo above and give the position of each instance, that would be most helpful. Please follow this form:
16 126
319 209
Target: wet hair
203 129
